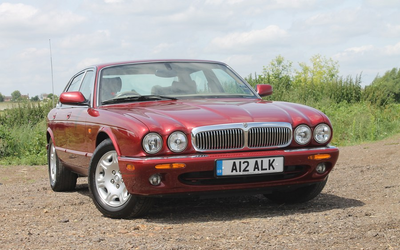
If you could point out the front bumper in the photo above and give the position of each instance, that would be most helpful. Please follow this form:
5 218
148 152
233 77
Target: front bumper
198 176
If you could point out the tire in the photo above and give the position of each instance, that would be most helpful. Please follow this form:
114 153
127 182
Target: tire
299 195
61 178
107 188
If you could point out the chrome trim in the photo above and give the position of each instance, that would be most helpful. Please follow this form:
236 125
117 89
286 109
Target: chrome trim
237 136
328 147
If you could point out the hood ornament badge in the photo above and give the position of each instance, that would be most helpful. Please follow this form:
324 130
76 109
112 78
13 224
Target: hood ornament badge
245 124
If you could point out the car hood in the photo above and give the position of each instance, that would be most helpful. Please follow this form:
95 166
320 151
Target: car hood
164 116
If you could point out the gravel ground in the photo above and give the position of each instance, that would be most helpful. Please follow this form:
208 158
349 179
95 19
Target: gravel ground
358 209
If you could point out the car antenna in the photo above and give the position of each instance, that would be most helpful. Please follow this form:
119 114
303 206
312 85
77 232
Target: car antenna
52 78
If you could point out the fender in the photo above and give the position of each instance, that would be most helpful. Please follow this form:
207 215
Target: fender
111 135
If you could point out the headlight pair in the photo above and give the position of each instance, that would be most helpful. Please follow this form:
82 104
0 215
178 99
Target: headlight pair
152 143
322 134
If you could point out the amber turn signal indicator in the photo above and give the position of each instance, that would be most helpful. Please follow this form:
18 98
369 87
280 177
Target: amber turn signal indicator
130 167
319 157
170 166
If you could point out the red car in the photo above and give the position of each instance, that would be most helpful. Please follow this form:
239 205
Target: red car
145 129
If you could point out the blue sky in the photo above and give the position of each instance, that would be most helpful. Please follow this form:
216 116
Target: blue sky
363 36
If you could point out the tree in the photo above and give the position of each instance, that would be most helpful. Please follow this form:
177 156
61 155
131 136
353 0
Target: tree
279 74
15 96
35 98
1 98
322 70
389 83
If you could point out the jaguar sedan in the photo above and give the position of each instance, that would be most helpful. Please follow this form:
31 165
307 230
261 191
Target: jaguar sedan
142 130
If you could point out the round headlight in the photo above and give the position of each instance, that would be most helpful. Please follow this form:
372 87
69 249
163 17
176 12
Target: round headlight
177 142
302 134
152 143
322 133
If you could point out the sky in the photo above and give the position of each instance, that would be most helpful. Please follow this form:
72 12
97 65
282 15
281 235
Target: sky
363 36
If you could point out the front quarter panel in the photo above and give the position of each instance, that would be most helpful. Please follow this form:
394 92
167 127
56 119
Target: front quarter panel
125 132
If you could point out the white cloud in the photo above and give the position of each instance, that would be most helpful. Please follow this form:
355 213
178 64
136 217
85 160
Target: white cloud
240 41
21 21
114 1
345 23
33 54
161 48
95 40
391 30
263 5
383 3
392 50
86 62
16 12
369 60
143 7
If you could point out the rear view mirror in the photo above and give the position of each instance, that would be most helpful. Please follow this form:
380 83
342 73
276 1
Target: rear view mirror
264 89
73 98
166 73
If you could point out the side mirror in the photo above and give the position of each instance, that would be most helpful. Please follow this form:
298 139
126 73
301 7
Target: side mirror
264 89
73 98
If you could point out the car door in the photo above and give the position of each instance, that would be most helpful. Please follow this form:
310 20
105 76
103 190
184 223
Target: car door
70 128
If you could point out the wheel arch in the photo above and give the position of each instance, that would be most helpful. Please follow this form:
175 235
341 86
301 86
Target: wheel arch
49 136
104 134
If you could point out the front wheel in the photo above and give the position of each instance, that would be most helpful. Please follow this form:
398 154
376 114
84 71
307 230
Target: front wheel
299 195
108 189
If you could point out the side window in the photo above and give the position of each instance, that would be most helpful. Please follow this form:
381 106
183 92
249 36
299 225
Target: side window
75 84
87 84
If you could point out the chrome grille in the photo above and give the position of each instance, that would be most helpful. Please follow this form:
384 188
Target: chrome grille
262 137
220 139
242 135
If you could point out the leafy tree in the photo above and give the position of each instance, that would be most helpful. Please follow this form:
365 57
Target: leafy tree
389 84
1 98
15 96
35 98
311 80
321 70
279 74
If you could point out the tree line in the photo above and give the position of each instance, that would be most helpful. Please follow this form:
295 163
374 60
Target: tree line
16 96
319 81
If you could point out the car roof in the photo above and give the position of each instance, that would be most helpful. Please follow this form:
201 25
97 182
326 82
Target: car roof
102 65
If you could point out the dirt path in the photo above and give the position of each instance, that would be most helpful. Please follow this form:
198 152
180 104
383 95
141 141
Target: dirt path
358 209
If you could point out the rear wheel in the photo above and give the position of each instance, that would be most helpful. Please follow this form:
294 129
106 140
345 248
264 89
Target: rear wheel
299 195
61 178
108 189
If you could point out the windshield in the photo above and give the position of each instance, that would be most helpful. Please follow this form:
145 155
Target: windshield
173 80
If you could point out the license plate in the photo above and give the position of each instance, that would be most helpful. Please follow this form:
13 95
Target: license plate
251 166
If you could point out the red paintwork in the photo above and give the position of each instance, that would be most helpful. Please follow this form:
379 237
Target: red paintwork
72 97
77 130
264 89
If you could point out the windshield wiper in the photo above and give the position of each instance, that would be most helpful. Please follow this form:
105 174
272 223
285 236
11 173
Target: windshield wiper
138 99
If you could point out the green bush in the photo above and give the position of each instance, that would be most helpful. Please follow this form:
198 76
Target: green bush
360 122
23 133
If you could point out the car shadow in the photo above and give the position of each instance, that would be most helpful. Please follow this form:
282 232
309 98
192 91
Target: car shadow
192 210
83 189
197 209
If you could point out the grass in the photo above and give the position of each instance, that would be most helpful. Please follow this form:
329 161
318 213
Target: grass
362 122
23 133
